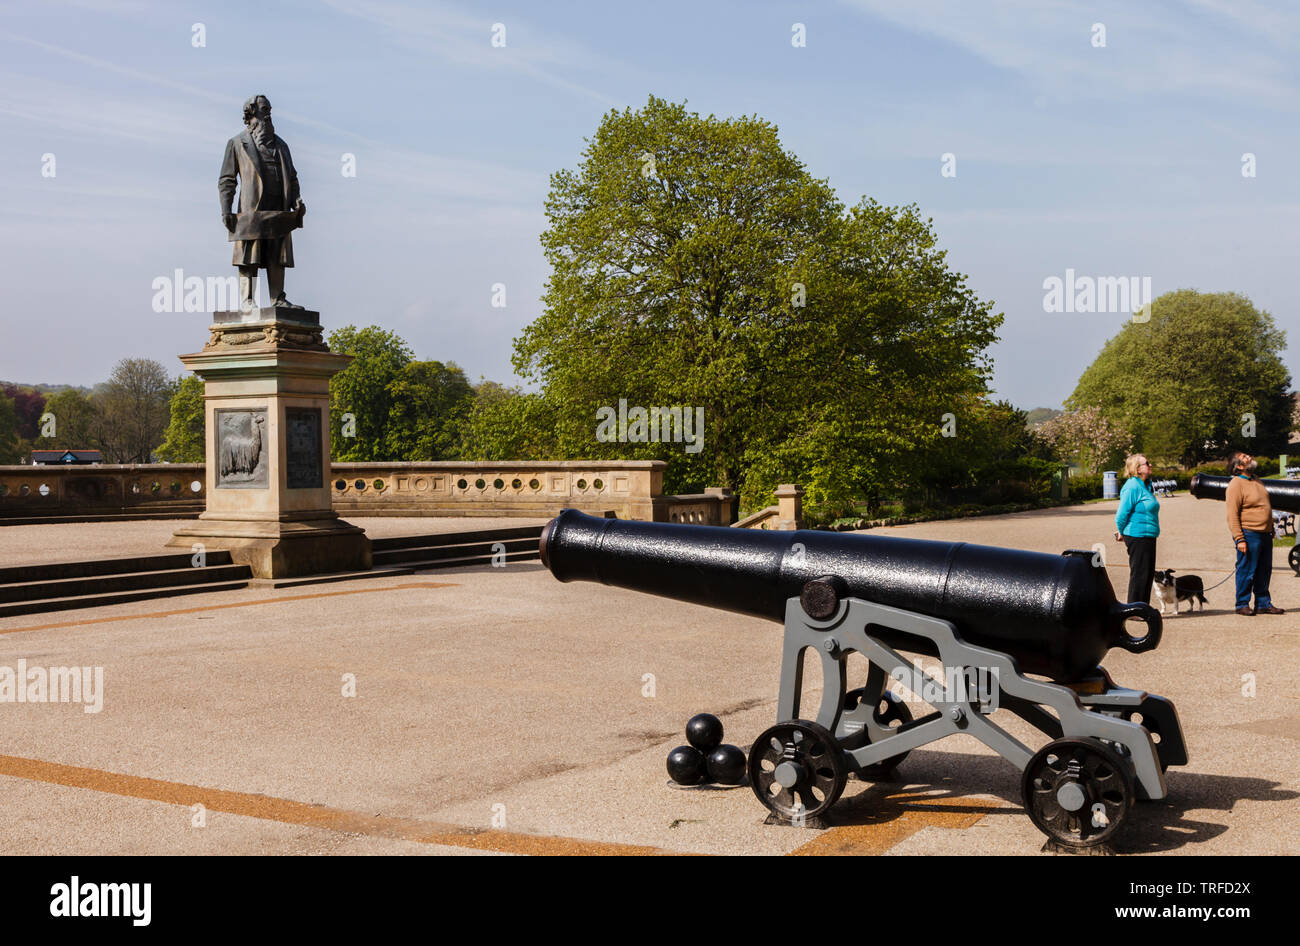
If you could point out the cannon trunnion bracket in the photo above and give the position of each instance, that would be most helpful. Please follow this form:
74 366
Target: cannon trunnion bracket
1109 745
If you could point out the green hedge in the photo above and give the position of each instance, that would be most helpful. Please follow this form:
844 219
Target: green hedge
850 523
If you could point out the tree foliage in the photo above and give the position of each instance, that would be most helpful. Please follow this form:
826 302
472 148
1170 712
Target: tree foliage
985 442
29 405
430 402
78 424
9 441
696 262
135 406
1188 381
364 390
507 424
185 441
1085 437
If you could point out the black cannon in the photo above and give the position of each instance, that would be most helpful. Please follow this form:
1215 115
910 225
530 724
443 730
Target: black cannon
990 615
1164 487
1282 494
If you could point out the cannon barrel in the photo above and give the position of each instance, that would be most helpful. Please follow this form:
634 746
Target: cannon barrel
1282 494
1055 614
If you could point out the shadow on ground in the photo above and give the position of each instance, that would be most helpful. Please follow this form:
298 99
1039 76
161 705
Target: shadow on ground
928 779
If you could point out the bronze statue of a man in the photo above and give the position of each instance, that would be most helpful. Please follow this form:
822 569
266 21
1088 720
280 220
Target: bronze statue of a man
269 204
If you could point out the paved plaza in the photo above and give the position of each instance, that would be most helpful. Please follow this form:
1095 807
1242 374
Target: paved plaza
497 710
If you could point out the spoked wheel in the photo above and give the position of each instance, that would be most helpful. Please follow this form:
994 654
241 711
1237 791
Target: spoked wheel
890 713
1293 558
1077 791
797 770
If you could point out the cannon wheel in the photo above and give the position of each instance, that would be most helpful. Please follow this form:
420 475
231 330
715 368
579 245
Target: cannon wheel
796 769
1293 558
1077 791
890 710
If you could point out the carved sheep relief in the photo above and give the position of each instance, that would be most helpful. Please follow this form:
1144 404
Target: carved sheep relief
241 449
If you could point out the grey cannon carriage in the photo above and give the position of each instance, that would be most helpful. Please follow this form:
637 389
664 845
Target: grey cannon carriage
988 614
1282 494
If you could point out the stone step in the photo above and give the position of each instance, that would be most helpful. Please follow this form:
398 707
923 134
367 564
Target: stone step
485 560
109 566
68 585
333 577
435 539
482 550
117 597
191 513
132 581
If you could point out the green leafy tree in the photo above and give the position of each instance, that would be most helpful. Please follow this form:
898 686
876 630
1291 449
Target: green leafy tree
984 440
507 424
185 441
362 391
430 403
695 262
1203 374
890 344
77 422
9 449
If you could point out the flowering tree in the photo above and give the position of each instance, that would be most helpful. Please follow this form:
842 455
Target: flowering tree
1087 438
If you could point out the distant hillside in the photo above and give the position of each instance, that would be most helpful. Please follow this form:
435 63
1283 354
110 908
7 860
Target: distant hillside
45 388
1041 415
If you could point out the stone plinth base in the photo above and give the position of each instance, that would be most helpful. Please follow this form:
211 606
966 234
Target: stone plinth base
266 315
266 390
274 549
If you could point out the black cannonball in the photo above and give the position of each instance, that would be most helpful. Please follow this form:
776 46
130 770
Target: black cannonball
726 765
704 732
686 766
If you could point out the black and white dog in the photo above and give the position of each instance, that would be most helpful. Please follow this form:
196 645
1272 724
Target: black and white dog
1171 590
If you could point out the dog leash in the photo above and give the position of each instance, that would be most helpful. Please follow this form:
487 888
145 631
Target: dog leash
1235 569
1230 574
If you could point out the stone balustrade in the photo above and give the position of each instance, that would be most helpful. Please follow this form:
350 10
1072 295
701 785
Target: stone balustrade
98 490
630 489
786 515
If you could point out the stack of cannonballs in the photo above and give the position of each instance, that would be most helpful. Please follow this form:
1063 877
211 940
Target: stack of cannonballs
706 761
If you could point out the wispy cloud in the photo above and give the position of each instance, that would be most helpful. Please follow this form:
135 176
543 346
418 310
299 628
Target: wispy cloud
1151 49
90 113
444 31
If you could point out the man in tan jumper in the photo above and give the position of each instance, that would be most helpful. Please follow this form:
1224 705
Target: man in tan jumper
1250 520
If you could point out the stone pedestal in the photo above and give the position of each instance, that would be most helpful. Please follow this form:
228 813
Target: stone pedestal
266 389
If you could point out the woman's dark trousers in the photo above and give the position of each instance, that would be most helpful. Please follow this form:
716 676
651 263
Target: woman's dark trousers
1141 567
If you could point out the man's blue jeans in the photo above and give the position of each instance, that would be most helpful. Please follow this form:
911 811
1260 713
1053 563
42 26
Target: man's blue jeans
1254 569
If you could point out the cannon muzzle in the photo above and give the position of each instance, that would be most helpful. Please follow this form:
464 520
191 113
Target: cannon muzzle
1282 494
1057 615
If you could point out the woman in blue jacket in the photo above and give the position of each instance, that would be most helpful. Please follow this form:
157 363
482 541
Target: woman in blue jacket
1137 522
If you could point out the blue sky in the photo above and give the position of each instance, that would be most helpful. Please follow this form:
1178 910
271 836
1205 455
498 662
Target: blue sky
1123 160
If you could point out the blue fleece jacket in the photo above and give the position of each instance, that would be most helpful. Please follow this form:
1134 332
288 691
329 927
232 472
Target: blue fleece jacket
1138 515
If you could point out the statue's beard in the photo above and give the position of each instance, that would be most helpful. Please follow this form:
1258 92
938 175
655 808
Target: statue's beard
263 132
